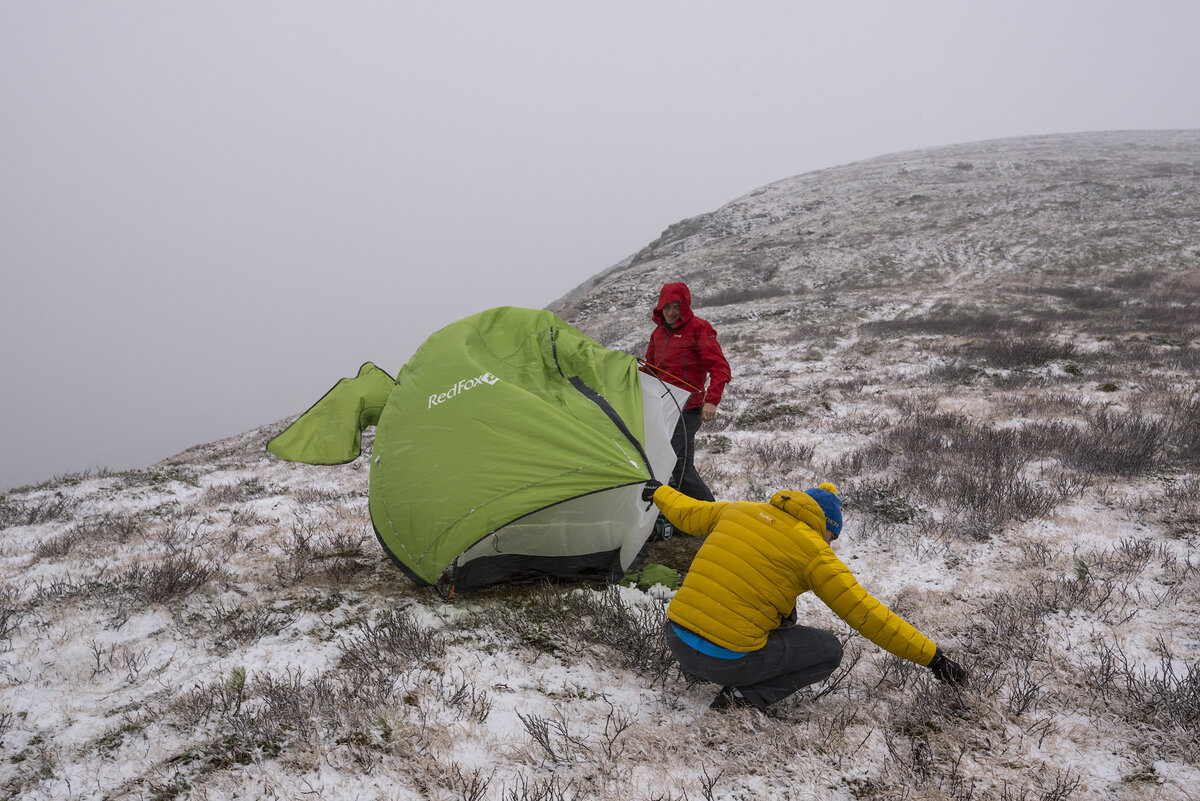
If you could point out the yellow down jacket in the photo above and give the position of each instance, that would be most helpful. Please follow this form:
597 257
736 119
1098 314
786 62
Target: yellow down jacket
757 558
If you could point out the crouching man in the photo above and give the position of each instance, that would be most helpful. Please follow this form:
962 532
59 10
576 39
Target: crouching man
731 621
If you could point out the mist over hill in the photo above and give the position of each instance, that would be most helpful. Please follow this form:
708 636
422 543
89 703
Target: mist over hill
991 348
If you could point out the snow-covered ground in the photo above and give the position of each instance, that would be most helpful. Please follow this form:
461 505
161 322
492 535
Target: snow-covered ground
991 348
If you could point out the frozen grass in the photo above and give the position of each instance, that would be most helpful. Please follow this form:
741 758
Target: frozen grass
1011 413
263 645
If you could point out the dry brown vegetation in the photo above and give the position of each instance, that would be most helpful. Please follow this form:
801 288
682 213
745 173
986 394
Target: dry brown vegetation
1009 400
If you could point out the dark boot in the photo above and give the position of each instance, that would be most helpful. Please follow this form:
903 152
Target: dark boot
726 701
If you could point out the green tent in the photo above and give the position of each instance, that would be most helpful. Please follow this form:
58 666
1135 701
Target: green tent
509 446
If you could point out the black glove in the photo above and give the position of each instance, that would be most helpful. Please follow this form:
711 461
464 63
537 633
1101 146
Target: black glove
649 488
946 670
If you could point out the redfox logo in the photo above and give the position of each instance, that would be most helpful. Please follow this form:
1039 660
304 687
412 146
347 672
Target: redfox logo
462 386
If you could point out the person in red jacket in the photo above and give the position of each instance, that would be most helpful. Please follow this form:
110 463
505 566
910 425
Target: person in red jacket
684 351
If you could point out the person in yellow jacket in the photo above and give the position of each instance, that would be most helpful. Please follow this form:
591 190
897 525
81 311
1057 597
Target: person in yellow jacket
732 622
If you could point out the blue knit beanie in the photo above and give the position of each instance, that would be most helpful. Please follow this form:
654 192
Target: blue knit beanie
831 505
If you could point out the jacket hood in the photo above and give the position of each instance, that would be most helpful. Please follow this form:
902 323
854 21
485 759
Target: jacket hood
801 506
677 291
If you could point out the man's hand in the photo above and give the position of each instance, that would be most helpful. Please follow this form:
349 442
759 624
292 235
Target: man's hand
946 670
649 488
708 412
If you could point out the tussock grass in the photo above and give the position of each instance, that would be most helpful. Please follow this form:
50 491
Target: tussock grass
768 412
112 528
11 612
573 622
1011 353
782 456
178 573
247 489
314 545
28 512
390 644
233 626
317 497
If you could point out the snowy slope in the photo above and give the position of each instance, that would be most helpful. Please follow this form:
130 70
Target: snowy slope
992 348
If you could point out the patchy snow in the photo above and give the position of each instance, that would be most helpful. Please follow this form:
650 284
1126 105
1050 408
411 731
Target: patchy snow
207 627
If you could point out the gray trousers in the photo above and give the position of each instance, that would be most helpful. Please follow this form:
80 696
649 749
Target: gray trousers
792 658
685 477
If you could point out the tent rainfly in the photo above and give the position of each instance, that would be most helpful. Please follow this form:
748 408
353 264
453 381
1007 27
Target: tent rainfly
510 446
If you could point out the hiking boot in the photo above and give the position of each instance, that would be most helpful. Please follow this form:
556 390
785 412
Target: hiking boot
726 700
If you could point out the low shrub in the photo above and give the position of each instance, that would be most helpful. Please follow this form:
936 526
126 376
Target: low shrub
40 510
1181 440
781 454
955 371
885 500
714 443
1167 698
247 489
118 528
727 297
767 412
233 626
980 474
951 323
11 612
1011 353
1089 298
1179 508
179 573
1109 442
391 644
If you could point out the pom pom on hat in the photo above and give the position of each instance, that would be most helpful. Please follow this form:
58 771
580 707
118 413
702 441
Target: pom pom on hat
826 496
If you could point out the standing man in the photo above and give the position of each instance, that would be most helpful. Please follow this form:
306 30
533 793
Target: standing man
684 351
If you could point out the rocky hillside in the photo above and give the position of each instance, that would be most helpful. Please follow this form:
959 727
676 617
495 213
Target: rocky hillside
1010 221
992 348
975 277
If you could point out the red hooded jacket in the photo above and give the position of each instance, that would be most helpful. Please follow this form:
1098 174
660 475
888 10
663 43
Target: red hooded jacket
687 355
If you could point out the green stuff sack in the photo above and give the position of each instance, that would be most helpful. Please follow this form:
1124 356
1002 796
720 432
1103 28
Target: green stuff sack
649 575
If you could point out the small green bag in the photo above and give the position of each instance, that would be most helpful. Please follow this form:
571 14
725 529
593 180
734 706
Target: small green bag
647 576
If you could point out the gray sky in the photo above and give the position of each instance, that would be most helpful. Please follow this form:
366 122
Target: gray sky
212 211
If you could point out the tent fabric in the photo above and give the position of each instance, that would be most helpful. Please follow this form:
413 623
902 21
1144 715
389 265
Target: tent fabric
488 425
600 534
510 445
331 431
